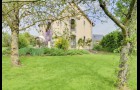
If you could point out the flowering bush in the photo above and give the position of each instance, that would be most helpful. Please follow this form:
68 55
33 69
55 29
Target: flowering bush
62 43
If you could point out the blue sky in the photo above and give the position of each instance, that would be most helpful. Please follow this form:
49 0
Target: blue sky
104 28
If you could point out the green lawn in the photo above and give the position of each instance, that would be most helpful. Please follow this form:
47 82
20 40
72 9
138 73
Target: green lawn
86 72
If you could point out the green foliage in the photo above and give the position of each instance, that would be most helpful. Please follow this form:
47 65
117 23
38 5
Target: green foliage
81 42
23 41
88 42
61 52
26 40
112 41
31 51
6 39
24 51
30 38
97 47
62 43
50 52
36 51
6 51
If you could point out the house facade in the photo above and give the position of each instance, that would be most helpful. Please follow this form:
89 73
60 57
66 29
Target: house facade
75 23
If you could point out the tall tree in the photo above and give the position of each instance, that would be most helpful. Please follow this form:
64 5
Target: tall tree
20 15
12 19
121 12
123 72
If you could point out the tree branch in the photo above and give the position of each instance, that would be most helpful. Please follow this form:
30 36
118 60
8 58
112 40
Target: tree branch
132 5
103 6
53 20
10 1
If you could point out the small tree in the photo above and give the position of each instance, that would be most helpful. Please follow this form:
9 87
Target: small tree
80 42
88 42
23 41
112 41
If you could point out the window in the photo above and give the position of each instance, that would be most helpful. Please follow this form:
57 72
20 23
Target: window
84 38
84 23
72 24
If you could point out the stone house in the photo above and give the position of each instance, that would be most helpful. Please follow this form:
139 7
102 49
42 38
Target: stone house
75 23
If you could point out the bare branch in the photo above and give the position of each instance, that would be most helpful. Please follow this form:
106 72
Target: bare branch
103 6
10 1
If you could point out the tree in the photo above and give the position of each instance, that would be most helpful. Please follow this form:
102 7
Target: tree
112 41
81 42
20 15
123 72
122 23
23 41
88 42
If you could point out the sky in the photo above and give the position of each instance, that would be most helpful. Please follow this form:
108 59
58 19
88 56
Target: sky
104 28
99 28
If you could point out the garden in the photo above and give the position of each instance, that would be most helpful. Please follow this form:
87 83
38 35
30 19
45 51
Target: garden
29 63
50 68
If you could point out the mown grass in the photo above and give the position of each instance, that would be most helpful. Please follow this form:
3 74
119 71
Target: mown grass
80 72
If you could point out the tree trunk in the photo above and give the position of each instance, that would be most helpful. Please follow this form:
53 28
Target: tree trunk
15 33
14 49
123 72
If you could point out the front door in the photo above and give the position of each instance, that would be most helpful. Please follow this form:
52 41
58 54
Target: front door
73 42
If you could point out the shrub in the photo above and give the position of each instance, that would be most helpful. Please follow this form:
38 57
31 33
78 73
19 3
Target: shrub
6 39
112 41
31 51
50 52
30 38
61 52
6 51
23 41
36 51
54 52
24 51
97 47
62 43
88 42
81 42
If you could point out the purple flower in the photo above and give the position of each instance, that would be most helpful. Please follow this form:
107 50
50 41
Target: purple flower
48 35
